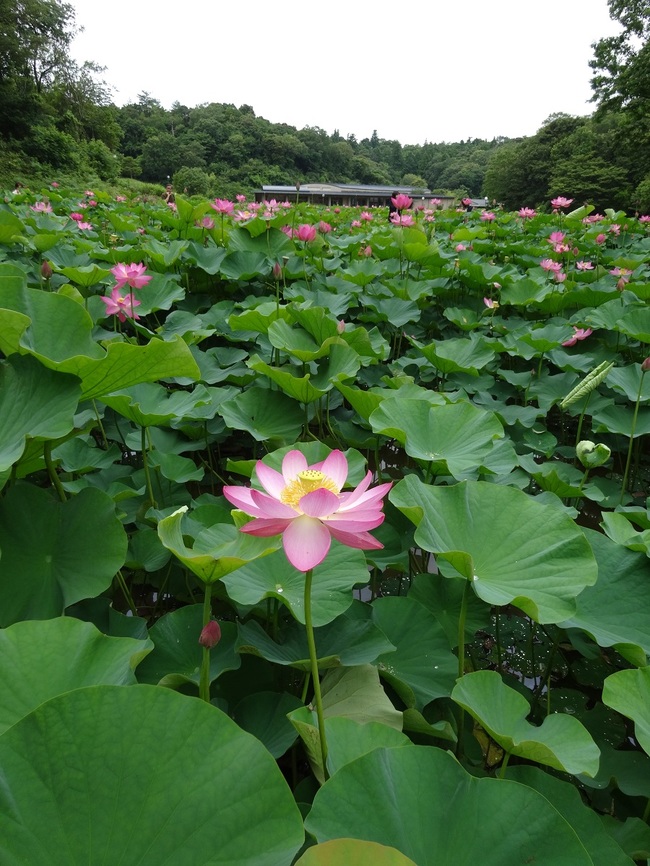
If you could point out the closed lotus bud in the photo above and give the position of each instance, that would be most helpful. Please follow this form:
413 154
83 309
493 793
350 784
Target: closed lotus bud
277 270
645 365
46 270
340 326
210 635
592 455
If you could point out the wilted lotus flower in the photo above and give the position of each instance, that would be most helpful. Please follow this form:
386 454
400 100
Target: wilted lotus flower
305 505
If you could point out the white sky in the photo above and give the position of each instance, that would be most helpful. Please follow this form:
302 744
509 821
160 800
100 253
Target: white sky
436 70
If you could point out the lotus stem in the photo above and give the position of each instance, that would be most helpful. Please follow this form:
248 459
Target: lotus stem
504 765
51 470
145 466
313 658
204 682
631 445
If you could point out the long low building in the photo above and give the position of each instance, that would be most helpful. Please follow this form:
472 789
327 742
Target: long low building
350 194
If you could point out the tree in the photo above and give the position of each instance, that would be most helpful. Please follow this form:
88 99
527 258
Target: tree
622 63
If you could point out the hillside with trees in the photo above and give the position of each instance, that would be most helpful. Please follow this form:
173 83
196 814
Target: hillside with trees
60 118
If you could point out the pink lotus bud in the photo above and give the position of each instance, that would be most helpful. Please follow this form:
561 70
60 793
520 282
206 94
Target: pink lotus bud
277 271
645 366
211 634
46 270
340 326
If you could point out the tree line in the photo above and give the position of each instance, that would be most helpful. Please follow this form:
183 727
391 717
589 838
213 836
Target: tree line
59 116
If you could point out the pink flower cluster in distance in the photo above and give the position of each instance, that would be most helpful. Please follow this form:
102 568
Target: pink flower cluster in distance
305 505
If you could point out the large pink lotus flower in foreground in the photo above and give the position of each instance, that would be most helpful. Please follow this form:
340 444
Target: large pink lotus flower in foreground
402 201
305 504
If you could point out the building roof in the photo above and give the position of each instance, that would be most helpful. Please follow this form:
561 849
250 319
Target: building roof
349 188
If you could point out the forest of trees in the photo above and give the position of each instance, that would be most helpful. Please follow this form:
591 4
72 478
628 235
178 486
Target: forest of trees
59 117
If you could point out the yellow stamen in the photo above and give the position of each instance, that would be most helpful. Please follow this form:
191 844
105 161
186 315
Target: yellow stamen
307 481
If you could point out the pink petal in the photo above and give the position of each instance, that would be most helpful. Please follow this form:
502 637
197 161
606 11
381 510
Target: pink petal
265 527
241 498
354 525
293 463
272 507
271 480
319 503
306 543
356 499
335 466
358 490
360 540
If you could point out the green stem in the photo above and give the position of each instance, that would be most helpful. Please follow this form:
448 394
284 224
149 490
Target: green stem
126 592
204 682
145 466
504 764
51 470
461 665
629 450
313 658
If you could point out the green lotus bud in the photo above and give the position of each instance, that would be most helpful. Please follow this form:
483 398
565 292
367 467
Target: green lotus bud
592 455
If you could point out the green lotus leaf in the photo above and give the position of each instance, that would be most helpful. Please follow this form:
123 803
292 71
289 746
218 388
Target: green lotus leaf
55 553
218 550
628 692
41 659
141 775
511 548
561 741
360 802
455 438
35 403
176 656
422 667
264 414
457 355
343 852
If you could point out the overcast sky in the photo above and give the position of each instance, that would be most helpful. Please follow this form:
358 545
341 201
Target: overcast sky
423 70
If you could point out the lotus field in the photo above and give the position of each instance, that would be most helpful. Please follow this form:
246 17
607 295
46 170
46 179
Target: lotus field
323 539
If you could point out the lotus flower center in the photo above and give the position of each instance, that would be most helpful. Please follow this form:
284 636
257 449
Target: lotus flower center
307 481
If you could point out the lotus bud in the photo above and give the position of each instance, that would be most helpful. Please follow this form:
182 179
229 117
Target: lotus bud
645 365
46 270
277 271
211 634
340 326
592 455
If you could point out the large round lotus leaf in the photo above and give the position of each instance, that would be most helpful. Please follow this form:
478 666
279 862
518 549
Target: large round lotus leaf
140 776
41 659
55 553
345 852
513 550
561 741
419 800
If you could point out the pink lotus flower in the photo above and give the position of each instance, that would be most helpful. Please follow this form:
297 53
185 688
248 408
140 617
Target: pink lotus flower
402 219
130 275
435 202
120 198
54 184
77 217
366 251
285 204
305 505
550 265
578 334
560 277
355 224
490 304
527 213
560 201
402 201
615 229
210 634
243 215
340 326
460 248
254 206
120 305
223 206
366 216
89 193
593 218
206 223
556 237
487 216
240 198
305 233
41 207
324 228
644 219
92 203
584 266
84 226
601 238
